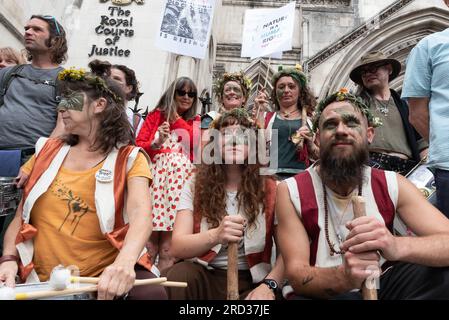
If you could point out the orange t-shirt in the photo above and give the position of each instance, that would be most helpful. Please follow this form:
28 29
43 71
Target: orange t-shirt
67 223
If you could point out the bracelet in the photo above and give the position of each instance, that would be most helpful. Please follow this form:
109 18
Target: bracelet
9 258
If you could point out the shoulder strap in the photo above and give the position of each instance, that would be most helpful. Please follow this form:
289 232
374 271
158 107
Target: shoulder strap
7 79
379 186
309 211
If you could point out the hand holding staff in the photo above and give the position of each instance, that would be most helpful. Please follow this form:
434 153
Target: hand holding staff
369 291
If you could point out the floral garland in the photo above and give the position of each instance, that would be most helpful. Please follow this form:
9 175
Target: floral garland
73 74
239 77
238 113
344 95
294 72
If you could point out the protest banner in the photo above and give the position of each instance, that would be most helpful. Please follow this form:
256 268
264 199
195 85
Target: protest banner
186 26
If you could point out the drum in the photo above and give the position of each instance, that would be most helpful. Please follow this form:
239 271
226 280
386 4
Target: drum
9 196
44 286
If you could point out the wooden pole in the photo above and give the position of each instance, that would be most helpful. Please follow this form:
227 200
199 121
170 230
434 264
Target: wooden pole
369 291
137 282
233 272
264 86
303 123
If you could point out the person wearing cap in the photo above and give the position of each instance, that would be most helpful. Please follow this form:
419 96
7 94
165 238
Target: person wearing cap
426 89
396 145
293 145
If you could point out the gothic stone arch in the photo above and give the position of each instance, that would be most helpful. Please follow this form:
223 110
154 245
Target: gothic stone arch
396 38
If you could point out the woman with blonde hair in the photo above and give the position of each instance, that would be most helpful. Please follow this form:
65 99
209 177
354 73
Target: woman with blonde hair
10 57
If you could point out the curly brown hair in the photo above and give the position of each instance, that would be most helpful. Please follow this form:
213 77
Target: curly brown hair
306 97
210 194
115 129
130 78
57 41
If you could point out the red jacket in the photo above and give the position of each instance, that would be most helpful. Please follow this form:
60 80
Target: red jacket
149 129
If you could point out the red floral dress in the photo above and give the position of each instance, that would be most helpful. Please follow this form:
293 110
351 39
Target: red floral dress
170 172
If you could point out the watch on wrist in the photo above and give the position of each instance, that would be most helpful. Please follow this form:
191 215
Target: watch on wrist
10 257
272 284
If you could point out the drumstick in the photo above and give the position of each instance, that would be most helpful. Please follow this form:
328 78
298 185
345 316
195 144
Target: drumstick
69 291
232 272
369 291
136 282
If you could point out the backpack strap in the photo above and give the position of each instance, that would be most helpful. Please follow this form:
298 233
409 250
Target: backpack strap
7 79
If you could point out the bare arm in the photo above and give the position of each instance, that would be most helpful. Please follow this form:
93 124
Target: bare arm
294 244
431 247
8 270
419 115
262 292
118 278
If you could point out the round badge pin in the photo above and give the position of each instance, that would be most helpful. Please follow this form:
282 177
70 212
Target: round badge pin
104 175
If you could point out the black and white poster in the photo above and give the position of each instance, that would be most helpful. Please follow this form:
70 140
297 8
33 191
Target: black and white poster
186 26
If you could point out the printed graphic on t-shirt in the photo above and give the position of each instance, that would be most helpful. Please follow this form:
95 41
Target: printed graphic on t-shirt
76 207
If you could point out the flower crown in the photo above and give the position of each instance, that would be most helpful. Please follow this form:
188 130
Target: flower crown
98 82
239 77
344 95
294 72
238 113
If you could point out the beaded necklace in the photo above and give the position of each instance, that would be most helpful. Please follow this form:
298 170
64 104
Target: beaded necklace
326 221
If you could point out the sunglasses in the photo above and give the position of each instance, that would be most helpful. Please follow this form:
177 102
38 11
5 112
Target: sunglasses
182 93
372 68
53 19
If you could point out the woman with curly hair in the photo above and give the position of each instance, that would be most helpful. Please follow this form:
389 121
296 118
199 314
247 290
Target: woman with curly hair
293 103
167 136
236 207
87 197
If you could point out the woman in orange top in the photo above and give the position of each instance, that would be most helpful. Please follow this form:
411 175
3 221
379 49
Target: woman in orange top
86 200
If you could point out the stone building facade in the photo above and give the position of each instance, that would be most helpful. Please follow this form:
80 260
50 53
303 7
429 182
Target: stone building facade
329 38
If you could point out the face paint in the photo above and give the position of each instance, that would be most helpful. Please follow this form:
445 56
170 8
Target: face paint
279 93
237 140
72 101
229 88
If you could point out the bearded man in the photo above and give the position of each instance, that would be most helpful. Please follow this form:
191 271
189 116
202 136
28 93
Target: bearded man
329 254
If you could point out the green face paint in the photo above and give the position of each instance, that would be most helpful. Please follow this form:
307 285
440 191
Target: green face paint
72 101
279 93
232 88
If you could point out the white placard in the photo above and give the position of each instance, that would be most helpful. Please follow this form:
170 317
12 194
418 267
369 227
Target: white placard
268 32
186 26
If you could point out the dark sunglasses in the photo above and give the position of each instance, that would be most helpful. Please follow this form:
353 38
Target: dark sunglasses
182 93
371 68
53 19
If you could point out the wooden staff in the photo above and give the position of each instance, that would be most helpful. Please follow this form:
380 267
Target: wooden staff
233 272
137 282
369 291
303 123
71 291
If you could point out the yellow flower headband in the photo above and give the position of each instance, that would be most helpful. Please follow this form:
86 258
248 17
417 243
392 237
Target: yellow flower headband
98 82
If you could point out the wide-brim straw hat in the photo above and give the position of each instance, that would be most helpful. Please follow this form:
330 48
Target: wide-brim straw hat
371 58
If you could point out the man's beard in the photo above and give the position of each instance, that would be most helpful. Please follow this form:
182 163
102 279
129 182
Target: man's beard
346 171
